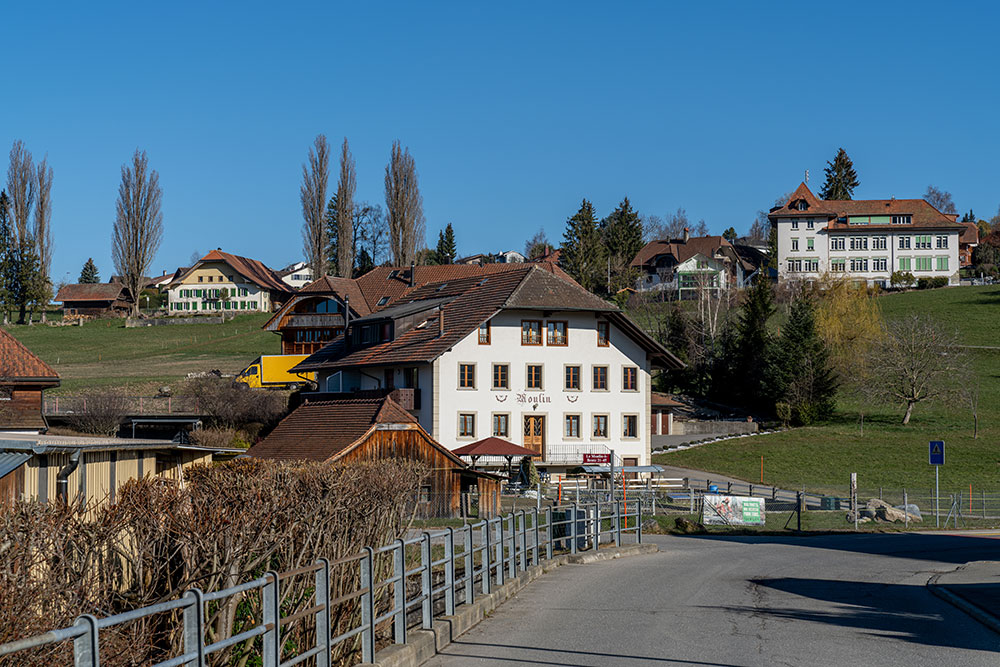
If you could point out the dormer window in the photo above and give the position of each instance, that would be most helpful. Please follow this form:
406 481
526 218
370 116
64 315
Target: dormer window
801 205
902 219
381 302
393 273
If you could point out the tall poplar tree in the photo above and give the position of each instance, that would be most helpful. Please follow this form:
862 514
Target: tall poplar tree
582 250
312 194
345 213
6 256
841 179
404 206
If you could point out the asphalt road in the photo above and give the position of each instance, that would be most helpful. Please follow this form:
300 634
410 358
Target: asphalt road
713 601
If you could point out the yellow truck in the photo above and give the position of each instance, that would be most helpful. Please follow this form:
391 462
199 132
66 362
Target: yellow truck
271 371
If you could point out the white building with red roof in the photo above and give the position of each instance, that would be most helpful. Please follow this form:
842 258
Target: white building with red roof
220 281
864 239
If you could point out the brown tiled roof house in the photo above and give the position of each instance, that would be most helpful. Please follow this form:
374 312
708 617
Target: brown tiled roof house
23 378
95 299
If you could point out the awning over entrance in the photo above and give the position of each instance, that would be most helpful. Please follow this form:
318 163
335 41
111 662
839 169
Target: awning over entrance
493 447
606 470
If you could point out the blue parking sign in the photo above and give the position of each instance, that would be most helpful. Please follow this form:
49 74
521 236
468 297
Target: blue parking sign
935 453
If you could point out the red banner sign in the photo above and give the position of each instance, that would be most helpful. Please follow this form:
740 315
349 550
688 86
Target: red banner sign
597 459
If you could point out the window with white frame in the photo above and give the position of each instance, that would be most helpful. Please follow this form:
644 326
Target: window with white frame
904 242
859 243
837 243
878 243
880 264
859 264
941 242
795 245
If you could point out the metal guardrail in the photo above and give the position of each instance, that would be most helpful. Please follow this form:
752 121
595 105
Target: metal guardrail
503 547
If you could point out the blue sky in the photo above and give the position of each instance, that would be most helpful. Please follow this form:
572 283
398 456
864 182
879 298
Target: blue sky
513 112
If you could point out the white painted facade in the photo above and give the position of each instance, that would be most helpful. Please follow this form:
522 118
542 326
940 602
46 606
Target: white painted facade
214 287
444 402
691 275
297 275
807 250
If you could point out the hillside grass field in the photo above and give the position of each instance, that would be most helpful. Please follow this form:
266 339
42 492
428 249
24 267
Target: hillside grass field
888 454
103 353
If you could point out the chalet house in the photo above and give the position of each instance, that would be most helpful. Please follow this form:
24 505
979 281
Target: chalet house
504 257
91 470
220 281
519 353
683 267
315 315
864 240
23 378
95 299
966 242
356 430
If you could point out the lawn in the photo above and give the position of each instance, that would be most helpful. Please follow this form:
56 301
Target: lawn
104 353
888 455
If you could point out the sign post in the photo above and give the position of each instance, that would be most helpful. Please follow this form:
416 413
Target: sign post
935 457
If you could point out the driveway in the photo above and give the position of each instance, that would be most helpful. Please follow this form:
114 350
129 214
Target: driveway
756 600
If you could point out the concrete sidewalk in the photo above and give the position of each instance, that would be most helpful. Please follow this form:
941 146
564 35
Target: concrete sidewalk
974 588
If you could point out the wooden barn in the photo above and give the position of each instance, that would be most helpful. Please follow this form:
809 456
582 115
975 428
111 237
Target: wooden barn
23 378
95 299
370 429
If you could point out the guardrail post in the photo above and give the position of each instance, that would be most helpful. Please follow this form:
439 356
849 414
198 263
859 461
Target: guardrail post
512 553
597 525
470 565
323 615
638 520
449 572
524 540
86 647
548 533
487 557
690 500
618 523
271 656
193 618
798 510
499 559
534 527
399 592
425 581
574 531
368 606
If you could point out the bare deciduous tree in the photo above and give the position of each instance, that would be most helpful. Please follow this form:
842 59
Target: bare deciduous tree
917 361
347 230
940 199
21 187
138 223
404 206
43 230
315 176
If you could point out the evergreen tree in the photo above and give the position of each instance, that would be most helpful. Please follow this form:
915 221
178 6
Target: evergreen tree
27 285
446 249
969 217
582 250
89 273
621 233
841 179
332 234
751 350
805 378
365 263
730 234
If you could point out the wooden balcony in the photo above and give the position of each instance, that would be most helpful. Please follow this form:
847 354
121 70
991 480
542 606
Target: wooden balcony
313 321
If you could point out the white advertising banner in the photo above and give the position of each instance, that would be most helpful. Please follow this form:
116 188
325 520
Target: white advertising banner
732 511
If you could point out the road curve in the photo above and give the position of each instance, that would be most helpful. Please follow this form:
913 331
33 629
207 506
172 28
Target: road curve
746 601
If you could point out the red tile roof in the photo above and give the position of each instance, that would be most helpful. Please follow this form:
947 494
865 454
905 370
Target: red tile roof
93 292
18 363
341 287
253 270
970 235
707 246
924 215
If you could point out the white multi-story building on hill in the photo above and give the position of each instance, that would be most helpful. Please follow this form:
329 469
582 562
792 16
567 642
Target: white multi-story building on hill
523 354
865 239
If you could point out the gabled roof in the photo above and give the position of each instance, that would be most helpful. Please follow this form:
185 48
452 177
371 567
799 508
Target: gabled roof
924 215
466 303
681 251
251 269
93 292
325 286
326 430
970 235
19 364
493 446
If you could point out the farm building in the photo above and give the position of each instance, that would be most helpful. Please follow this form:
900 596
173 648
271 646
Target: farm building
369 429
23 378
31 466
95 299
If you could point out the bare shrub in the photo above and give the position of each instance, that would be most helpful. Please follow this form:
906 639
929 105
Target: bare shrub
99 412
228 524
219 438
233 405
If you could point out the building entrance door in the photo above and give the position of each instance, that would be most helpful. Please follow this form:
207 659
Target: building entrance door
534 434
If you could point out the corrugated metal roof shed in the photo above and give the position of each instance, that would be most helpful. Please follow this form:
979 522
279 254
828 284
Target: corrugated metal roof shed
11 461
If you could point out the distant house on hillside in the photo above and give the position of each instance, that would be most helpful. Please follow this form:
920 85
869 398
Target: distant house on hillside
23 378
504 257
315 315
95 299
220 281
682 267
296 275
373 429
